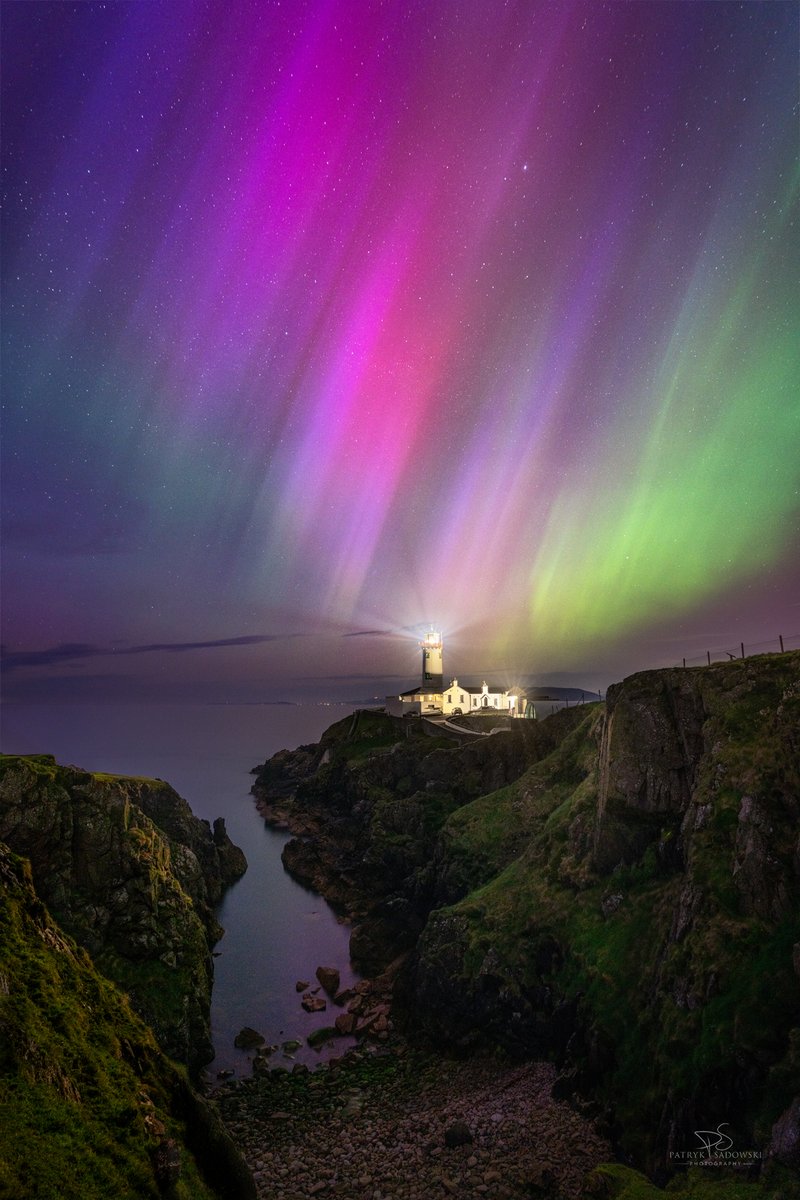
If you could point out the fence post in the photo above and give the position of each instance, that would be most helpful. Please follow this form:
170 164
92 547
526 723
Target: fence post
780 639
708 656
684 662
742 645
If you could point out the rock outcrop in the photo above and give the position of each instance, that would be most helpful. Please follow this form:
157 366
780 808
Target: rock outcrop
129 872
617 888
90 1107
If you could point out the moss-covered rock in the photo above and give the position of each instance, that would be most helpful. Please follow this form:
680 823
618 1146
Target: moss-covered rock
131 874
636 905
89 1105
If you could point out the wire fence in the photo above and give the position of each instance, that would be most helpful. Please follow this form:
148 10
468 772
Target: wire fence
776 645
546 705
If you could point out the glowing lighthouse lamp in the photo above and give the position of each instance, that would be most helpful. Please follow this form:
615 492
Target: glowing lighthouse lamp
432 659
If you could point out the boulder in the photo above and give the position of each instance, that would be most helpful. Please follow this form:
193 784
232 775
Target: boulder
301 985
329 979
345 1023
313 1003
318 1038
457 1134
785 1142
248 1039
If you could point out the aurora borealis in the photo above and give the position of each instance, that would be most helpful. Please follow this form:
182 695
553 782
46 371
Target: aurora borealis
334 317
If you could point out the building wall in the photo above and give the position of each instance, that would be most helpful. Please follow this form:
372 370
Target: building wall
455 697
420 703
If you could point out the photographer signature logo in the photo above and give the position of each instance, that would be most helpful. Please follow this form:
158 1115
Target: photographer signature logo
715 1150
714 1140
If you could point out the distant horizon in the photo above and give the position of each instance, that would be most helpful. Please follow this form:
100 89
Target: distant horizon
76 689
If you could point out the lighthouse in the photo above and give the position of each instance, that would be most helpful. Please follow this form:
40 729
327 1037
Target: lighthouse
432 661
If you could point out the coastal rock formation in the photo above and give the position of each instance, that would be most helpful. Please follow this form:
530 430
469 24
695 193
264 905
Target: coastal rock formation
129 872
90 1107
616 887
367 804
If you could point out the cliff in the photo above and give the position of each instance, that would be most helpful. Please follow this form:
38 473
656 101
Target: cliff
128 872
89 1105
618 889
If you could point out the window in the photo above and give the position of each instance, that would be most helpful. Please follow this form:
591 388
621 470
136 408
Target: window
495 701
461 699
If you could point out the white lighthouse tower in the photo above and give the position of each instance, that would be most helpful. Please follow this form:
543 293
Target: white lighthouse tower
432 661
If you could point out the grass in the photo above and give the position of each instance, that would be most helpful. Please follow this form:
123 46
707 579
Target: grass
614 1181
684 1017
86 1095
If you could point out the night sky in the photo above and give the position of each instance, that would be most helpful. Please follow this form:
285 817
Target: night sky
324 321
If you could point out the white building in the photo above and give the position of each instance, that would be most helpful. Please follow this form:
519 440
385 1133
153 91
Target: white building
460 698
432 698
418 702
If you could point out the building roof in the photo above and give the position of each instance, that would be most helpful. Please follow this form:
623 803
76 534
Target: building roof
434 688
477 691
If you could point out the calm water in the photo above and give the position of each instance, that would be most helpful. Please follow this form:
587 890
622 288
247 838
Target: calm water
276 932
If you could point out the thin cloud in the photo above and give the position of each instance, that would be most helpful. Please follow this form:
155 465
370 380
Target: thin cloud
80 651
351 678
371 633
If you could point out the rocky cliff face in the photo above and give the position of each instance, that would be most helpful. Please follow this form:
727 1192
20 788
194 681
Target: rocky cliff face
130 873
89 1105
368 803
645 930
621 893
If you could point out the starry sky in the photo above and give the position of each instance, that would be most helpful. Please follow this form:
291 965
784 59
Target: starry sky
324 320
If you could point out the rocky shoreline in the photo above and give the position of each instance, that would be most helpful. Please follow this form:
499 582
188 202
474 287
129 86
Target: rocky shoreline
389 1120
399 1125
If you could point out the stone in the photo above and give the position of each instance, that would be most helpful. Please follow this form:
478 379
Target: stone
301 985
611 903
313 1004
541 1183
248 1039
457 1134
329 979
324 1034
167 1164
345 1023
785 1142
